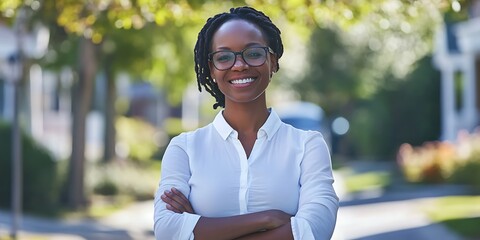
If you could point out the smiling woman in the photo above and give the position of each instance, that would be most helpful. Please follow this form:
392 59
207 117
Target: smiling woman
247 175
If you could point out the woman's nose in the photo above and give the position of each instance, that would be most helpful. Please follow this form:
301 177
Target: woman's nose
239 63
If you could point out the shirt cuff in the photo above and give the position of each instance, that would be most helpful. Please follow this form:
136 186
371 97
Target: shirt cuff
301 229
188 225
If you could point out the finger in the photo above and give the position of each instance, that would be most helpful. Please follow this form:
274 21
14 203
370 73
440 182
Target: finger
171 204
176 201
180 194
185 202
169 207
179 198
177 192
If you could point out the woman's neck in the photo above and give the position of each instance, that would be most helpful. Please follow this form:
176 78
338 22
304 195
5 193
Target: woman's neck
246 118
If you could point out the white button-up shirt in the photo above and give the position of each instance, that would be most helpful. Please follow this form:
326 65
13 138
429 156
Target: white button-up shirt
288 169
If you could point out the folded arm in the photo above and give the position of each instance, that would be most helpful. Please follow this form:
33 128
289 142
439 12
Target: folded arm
318 203
270 224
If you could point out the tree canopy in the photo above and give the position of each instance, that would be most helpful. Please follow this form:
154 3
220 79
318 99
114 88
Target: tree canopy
354 47
169 27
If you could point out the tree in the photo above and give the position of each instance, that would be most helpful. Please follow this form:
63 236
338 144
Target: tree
82 95
332 77
152 40
388 35
98 26
365 70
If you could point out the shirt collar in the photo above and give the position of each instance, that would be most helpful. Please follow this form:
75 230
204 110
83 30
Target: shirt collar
223 128
269 128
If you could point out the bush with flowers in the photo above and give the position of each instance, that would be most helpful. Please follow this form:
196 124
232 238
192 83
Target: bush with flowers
440 162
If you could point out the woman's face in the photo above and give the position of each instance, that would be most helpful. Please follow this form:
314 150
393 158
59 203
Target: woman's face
241 83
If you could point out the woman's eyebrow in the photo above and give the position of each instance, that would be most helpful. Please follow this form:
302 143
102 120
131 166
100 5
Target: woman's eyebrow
252 44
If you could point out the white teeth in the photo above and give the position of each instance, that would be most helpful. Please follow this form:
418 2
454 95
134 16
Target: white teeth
242 81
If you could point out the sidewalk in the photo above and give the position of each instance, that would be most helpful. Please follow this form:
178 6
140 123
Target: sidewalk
396 213
389 220
132 223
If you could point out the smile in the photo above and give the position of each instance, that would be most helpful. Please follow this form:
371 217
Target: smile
242 81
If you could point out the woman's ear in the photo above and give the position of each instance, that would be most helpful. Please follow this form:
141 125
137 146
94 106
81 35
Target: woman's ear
274 64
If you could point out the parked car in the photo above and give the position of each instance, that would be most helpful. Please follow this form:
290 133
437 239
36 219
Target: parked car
306 116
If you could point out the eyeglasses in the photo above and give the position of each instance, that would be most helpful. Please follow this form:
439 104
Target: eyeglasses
253 56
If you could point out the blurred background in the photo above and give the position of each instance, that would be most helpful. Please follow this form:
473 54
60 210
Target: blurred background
92 91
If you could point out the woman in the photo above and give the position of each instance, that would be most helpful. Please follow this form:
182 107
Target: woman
246 175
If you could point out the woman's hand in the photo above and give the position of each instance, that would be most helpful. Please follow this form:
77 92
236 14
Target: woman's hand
277 227
276 218
176 201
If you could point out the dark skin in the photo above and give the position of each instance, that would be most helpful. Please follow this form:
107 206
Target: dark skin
246 111
245 106
270 224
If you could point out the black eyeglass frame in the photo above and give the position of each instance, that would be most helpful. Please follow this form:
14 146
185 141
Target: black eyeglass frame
267 50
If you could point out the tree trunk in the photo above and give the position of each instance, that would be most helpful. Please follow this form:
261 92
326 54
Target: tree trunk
110 116
82 97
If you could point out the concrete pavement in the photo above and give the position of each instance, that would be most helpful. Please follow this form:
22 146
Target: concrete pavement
389 220
393 213
132 223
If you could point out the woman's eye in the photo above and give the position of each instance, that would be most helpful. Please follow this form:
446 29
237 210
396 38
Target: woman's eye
254 54
223 57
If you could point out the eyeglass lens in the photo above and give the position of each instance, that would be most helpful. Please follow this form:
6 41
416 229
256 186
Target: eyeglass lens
254 56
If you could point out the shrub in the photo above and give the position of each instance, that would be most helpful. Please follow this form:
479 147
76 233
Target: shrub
469 173
137 137
41 184
403 110
468 161
431 162
123 178
106 187
437 162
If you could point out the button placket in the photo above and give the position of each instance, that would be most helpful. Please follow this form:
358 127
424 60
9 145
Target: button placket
243 181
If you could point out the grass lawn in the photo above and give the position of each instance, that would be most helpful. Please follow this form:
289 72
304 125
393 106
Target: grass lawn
459 213
23 237
467 227
367 181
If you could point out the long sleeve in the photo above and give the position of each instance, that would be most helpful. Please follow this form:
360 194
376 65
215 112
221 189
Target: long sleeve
175 173
318 203
288 169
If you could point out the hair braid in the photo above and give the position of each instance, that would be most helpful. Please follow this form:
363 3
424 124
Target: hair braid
204 42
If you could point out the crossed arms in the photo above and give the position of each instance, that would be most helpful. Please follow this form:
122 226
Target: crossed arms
270 224
315 218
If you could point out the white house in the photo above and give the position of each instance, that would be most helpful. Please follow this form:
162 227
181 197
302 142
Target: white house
457 56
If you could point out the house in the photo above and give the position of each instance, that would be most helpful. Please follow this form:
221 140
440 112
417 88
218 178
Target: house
457 57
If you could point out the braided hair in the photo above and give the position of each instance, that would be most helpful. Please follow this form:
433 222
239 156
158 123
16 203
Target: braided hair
204 42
